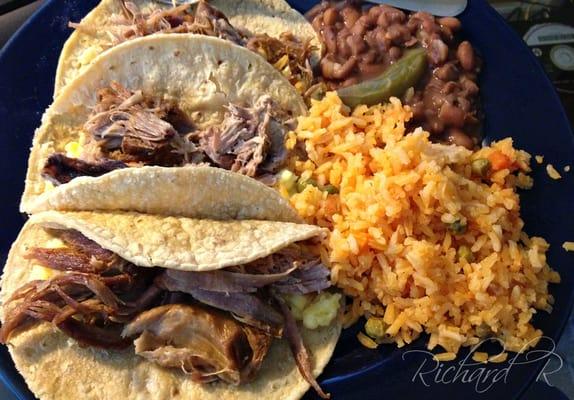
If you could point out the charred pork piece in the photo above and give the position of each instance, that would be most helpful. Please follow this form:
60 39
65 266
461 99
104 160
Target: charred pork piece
81 255
205 343
298 349
60 169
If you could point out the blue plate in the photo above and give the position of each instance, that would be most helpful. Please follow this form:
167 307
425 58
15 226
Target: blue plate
519 101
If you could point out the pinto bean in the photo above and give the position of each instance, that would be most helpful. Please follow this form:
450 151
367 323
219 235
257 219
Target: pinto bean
366 21
395 53
398 34
383 20
350 15
418 109
469 86
459 138
334 70
359 28
451 115
447 72
451 23
449 88
330 38
356 44
372 20
465 55
317 23
349 81
316 10
433 124
369 57
375 11
361 42
330 16
370 69
382 39
394 15
437 52
343 48
426 22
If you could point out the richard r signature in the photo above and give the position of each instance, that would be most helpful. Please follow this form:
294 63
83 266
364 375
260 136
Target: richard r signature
482 378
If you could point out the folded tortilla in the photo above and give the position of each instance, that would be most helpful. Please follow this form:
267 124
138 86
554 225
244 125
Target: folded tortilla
200 192
272 17
202 75
180 243
56 367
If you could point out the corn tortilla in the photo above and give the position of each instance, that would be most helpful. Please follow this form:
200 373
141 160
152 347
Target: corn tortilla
180 243
198 192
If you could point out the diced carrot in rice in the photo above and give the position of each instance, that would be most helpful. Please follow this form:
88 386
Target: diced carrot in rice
499 161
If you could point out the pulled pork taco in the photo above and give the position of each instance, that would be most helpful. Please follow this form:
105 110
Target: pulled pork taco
189 309
270 28
125 134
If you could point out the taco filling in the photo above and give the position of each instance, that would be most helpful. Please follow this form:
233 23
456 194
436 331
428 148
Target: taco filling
130 129
289 54
215 325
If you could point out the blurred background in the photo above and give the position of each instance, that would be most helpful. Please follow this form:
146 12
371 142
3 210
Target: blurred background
547 27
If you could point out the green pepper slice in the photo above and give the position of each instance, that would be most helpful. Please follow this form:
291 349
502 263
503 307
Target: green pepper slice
395 81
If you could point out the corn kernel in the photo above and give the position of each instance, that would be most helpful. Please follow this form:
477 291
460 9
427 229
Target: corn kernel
322 311
73 149
40 273
366 341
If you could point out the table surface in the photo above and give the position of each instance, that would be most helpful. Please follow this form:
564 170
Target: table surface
563 380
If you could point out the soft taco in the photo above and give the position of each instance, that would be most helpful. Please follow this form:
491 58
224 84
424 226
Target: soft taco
186 308
270 28
125 134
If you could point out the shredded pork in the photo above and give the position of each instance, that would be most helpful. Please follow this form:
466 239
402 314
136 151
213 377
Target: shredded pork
59 169
129 128
121 114
242 143
254 310
134 22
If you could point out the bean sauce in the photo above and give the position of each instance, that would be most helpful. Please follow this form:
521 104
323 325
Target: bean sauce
361 42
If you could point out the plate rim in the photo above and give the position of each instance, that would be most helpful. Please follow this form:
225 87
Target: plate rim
481 5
